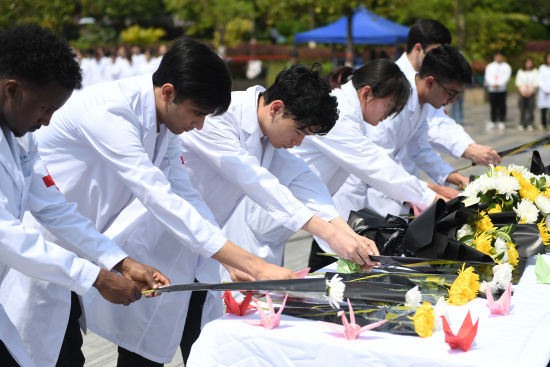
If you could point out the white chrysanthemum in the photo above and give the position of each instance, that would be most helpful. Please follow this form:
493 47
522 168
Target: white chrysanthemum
507 185
465 230
502 275
527 211
413 298
335 291
522 170
543 203
441 309
469 201
501 247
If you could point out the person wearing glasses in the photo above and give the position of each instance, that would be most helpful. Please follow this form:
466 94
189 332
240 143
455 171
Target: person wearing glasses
444 134
366 96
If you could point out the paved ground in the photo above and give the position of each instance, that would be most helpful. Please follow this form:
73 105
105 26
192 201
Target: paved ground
101 353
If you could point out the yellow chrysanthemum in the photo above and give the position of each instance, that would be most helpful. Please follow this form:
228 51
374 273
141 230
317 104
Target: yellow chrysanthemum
543 229
424 319
484 224
500 168
496 209
527 190
483 242
512 254
464 288
547 193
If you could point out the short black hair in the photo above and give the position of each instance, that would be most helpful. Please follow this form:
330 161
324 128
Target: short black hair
38 56
382 75
197 74
306 97
446 64
428 32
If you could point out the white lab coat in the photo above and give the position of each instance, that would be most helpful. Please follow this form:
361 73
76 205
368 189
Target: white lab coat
497 76
544 87
444 134
27 186
103 149
405 139
226 160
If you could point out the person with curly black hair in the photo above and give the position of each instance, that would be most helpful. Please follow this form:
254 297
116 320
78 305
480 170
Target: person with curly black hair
243 152
115 142
38 73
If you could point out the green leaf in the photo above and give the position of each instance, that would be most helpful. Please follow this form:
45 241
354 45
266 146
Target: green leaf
542 270
467 239
505 236
347 267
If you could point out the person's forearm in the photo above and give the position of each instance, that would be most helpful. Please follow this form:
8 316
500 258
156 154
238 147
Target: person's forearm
320 228
340 223
240 259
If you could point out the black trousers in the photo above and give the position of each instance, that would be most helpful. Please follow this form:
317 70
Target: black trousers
315 261
71 349
6 360
131 359
192 328
526 108
497 100
544 117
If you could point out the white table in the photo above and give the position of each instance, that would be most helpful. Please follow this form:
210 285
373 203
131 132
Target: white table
521 338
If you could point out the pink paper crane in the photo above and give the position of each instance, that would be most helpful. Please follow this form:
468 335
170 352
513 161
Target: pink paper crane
234 307
351 330
465 336
302 273
272 319
502 306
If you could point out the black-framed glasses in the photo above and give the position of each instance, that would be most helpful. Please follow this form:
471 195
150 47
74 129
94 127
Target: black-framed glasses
452 93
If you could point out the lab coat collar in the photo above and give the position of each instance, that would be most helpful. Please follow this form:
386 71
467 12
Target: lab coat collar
10 155
249 122
148 106
406 67
350 94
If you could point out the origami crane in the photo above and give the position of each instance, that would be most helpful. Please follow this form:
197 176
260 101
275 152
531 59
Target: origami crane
465 336
240 309
502 306
234 307
350 329
272 319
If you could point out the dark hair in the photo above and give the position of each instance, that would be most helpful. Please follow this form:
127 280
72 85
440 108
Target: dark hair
306 97
382 75
38 56
197 73
446 64
428 32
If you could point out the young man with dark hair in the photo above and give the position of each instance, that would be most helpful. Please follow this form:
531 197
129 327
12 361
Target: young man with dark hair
38 73
444 134
115 142
239 154
404 137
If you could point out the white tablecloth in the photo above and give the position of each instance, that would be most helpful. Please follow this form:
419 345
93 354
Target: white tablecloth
520 339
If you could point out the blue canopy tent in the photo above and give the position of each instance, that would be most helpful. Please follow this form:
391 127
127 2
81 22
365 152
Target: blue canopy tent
367 28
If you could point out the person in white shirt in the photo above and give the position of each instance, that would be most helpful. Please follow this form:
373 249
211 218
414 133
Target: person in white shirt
38 72
527 81
543 100
497 75
242 153
444 134
118 141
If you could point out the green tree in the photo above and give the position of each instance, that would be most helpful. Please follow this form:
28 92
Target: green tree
53 14
230 19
